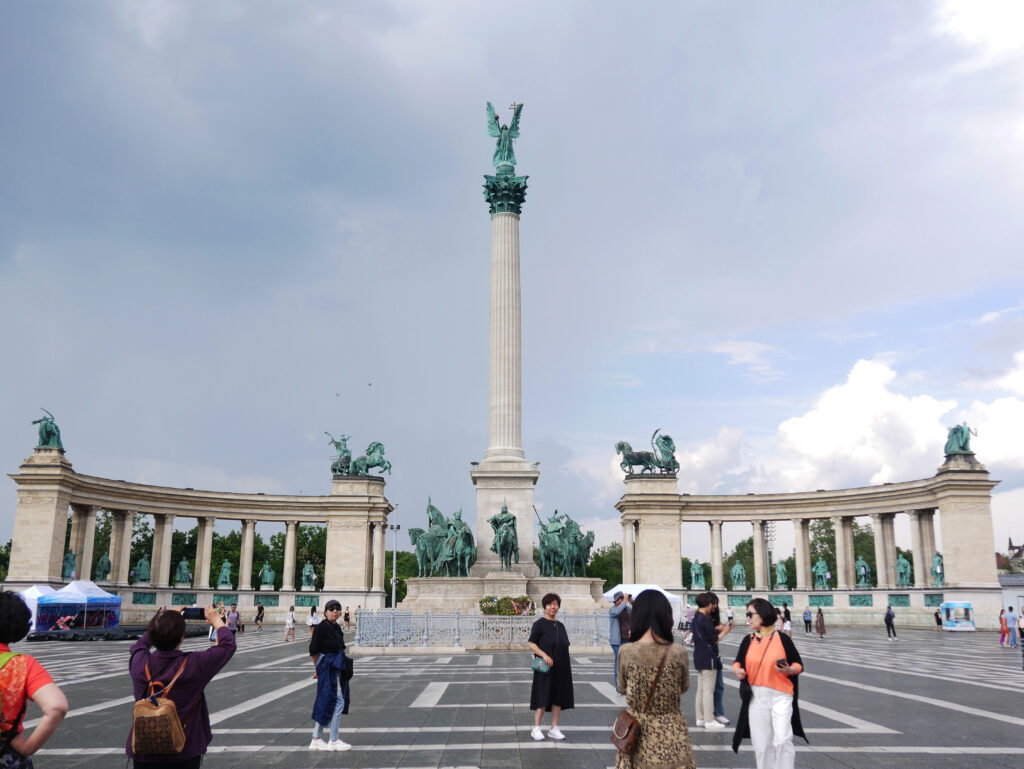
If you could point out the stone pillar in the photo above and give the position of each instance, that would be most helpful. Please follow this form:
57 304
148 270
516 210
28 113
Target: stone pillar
917 545
162 566
158 549
40 520
760 570
245 565
120 554
889 540
965 505
628 571
356 503
76 539
511 484
717 571
654 501
802 554
842 552
882 566
288 578
379 548
928 540
204 552
87 534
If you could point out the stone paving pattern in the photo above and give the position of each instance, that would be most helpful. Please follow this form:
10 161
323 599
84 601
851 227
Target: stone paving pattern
930 699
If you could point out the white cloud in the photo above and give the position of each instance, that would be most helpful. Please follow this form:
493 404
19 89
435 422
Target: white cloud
993 27
1000 425
1012 380
751 355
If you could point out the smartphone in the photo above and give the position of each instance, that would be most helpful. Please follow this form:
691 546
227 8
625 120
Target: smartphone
781 662
194 612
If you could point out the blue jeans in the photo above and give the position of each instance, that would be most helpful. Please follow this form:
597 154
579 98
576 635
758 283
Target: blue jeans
615 665
719 692
318 729
1013 636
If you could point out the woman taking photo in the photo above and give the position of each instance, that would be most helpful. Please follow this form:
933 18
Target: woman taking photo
767 665
664 739
551 690
166 631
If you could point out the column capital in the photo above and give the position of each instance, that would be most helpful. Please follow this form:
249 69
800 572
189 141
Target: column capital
505 193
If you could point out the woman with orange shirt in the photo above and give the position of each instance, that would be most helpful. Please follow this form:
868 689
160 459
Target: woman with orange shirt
767 665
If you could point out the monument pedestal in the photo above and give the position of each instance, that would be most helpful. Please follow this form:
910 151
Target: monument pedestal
508 483
307 589
266 588
446 594
182 585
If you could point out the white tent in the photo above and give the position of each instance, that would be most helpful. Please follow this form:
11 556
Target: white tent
88 604
634 590
31 596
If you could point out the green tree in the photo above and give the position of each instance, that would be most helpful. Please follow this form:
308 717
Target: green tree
406 566
606 563
5 560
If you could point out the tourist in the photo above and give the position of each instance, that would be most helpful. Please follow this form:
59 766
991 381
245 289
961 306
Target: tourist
312 620
348 618
767 665
327 650
819 624
689 616
618 627
1020 625
807 620
166 631
729 616
938 620
664 739
289 624
22 678
719 698
1011 624
552 690
1004 628
706 659
890 623
259 616
787 621
232 619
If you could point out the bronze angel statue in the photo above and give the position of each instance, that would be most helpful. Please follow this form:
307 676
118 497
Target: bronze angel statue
504 155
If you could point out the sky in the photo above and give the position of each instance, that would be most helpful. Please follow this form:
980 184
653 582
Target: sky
788 234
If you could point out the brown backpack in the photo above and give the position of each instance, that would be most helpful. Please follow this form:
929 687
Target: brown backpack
156 729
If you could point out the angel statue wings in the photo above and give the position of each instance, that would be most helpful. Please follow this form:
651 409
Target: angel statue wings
504 155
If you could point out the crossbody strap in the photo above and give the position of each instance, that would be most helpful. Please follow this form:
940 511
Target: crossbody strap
164 689
657 675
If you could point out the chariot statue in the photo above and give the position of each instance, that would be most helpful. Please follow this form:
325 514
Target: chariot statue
340 464
374 457
662 457
49 433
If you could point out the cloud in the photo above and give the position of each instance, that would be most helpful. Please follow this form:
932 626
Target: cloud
751 355
1012 380
991 27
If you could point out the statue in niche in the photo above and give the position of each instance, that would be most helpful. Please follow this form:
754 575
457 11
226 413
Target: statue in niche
308 575
938 575
506 540
68 570
738 575
863 572
183 574
697 576
224 578
903 571
504 153
781 578
142 571
103 567
821 575
959 439
49 433
267 575
341 463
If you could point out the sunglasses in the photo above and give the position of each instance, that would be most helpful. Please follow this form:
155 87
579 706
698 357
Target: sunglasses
750 614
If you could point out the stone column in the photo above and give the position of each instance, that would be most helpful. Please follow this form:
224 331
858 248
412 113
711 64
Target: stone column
802 553
717 571
204 552
77 537
889 539
965 505
928 540
842 553
84 570
628 571
881 556
379 548
760 572
121 530
653 501
44 484
288 578
162 564
245 567
917 545
158 548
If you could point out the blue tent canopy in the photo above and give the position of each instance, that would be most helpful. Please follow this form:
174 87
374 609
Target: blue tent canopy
79 604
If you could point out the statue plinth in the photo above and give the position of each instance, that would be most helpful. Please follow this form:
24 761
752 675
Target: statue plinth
962 463
307 589
739 587
781 586
147 583
225 587
182 585
266 588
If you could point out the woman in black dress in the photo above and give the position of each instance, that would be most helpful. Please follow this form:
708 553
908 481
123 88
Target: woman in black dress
552 690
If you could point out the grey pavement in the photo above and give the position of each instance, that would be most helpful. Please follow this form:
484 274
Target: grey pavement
930 699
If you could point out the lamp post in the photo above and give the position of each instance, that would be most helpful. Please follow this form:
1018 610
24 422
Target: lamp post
394 581
769 538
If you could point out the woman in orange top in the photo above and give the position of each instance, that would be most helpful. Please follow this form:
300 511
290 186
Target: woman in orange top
1004 628
767 665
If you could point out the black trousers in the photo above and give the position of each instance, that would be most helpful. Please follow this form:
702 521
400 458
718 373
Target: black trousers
191 763
890 630
807 626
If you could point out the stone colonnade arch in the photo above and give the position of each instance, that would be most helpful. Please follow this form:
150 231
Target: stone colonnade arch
652 511
355 514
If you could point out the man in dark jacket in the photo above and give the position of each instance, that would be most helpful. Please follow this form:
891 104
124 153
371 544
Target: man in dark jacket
327 650
618 627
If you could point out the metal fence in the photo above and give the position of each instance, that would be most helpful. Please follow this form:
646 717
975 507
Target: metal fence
470 631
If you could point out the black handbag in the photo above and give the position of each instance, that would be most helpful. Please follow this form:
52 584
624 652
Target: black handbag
346 672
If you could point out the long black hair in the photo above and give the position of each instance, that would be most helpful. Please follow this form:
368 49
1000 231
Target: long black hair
651 611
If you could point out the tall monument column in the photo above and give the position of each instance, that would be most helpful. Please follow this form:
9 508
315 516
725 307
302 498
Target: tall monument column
504 477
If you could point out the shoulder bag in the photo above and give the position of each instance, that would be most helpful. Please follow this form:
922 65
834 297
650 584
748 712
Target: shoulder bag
626 731
538 665
156 728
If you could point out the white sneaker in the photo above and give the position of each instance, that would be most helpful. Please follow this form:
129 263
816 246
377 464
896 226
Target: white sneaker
555 733
337 745
537 734
699 722
713 726
317 744
722 720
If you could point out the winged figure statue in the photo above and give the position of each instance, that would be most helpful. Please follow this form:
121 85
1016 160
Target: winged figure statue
504 155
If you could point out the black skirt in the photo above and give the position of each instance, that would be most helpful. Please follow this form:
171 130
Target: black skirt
555 686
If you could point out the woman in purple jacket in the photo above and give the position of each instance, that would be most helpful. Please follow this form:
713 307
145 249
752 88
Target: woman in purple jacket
166 631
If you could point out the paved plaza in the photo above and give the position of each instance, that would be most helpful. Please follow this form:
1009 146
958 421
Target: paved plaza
930 699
